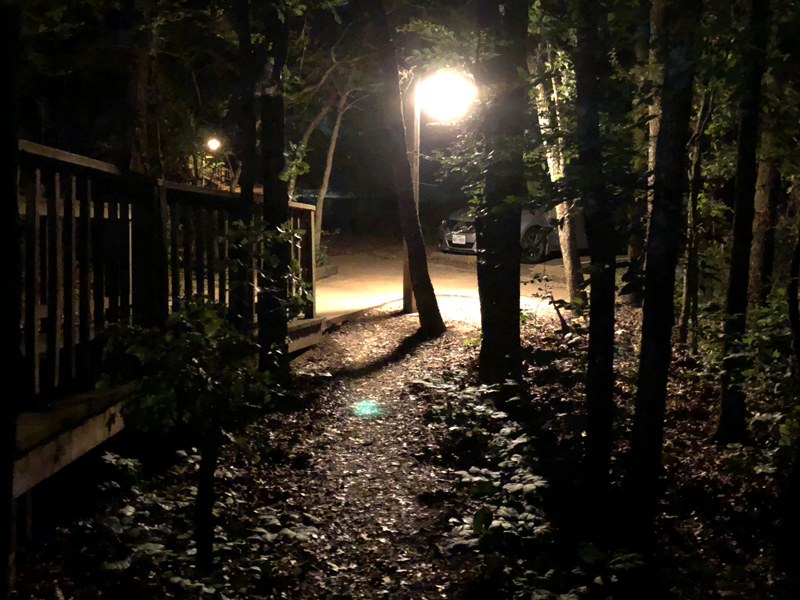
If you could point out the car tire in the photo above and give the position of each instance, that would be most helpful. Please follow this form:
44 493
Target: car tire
534 248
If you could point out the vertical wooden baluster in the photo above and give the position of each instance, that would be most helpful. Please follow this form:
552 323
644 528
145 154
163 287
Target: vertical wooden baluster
98 266
50 368
125 267
222 252
200 251
188 258
112 255
43 289
32 283
84 281
311 262
210 238
174 249
68 353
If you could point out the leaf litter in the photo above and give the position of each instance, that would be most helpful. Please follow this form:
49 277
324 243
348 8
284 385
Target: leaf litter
399 476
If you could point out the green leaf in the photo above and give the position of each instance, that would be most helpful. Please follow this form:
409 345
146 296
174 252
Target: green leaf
590 554
481 520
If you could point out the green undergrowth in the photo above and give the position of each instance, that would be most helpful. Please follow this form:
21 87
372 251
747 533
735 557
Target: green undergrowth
499 513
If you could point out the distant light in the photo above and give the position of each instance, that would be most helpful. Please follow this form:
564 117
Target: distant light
446 96
213 144
367 408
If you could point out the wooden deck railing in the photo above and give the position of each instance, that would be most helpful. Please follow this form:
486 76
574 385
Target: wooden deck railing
102 247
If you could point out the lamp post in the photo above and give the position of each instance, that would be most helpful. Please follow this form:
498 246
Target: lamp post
445 96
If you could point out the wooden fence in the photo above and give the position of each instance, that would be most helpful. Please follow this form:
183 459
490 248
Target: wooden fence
99 247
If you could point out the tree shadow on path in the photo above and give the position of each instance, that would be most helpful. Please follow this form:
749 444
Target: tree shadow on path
406 347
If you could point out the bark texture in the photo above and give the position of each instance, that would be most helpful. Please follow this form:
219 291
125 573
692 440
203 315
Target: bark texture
657 10
273 296
733 413
631 293
768 197
498 225
304 143
692 277
241 306
341 109
598 205
548 110
676 55
788 548
139 80
394 148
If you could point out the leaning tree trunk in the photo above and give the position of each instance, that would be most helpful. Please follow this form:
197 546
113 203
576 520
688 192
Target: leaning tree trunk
663 246
762 259
599 213
789 533
547 101
304 144
273 327
732 421
692 278
498 225
394 151
11 367
326 176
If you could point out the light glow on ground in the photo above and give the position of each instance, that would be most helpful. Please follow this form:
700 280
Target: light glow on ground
367 408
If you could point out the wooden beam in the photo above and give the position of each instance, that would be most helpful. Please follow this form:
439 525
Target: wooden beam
11 275
47 459
67 157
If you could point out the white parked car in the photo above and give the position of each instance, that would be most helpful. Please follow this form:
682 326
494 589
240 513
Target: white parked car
457 234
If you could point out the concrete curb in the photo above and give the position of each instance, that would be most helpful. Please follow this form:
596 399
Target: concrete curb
326 271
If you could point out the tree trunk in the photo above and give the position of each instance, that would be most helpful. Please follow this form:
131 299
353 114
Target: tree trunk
600 230
11 366
394 148
548 104
657 9
304 143
692 278
273 327
204 521
498 225
789 533
326 176
732 421
241 305
663 245
637 210
762 260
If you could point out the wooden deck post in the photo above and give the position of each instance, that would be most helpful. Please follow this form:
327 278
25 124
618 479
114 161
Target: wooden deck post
309 262
11 276
150 275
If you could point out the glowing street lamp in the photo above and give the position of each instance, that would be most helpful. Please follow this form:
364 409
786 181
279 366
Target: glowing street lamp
445 96
213 144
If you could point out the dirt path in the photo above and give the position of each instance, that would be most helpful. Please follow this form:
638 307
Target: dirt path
347 497
355 475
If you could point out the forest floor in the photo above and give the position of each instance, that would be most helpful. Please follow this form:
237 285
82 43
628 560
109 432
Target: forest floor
397 476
